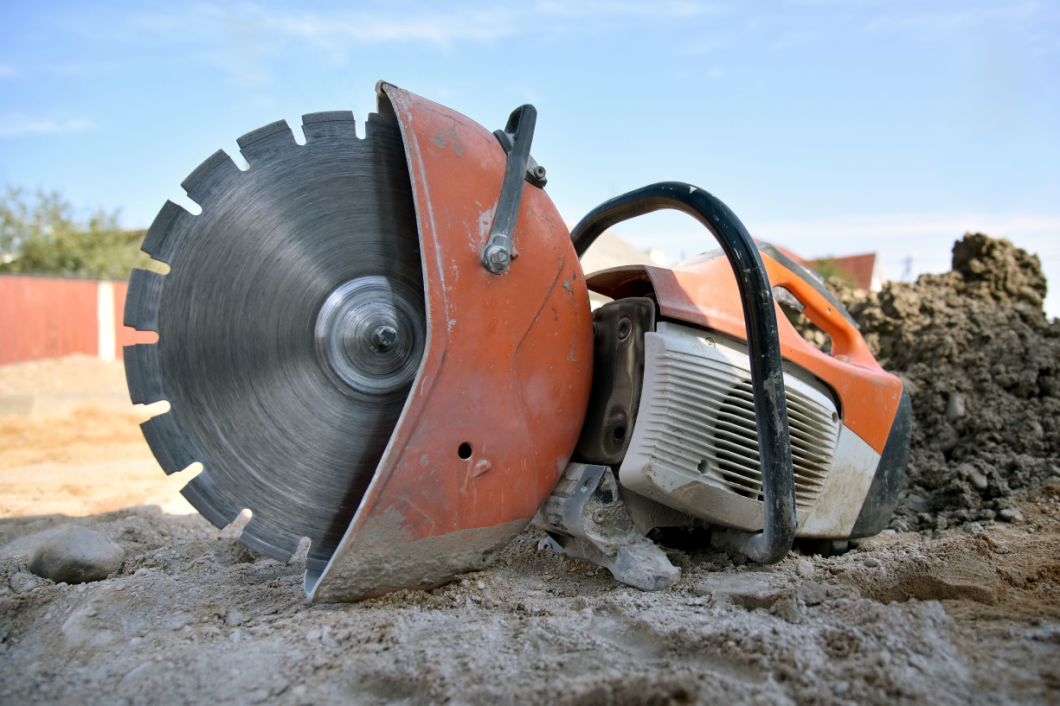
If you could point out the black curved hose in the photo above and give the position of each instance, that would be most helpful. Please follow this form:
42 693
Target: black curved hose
767 375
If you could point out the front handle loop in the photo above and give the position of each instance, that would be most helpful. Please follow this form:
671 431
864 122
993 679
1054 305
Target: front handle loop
763 341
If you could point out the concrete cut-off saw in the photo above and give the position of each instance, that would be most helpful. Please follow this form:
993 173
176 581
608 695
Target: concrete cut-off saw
382 347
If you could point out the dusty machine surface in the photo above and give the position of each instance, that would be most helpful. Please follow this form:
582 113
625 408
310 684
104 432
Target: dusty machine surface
383 345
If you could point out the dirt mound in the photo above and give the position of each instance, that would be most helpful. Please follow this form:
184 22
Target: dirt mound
982 363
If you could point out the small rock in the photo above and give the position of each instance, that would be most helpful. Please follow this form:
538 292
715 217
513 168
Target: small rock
787 608
76 554
233 618
751 591
917 503
177 621
22 582
976 477
1010 515
813 593
871 562
84 629
804 568
955 408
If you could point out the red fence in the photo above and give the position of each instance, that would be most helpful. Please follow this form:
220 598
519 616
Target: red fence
48 317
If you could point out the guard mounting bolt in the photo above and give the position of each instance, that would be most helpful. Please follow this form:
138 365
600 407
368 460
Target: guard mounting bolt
497 258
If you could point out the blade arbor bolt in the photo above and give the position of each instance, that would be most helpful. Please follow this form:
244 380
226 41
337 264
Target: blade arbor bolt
383 338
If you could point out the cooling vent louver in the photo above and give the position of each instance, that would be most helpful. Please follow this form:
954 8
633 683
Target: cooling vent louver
698 422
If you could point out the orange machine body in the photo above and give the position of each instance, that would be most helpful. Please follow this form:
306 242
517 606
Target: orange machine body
705 294
497 404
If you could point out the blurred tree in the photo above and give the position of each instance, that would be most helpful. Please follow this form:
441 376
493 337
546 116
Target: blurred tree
828 268
42 235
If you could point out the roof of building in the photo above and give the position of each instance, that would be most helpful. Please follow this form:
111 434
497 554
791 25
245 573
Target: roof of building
861 268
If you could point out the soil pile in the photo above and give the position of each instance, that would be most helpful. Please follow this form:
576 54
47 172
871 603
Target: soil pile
982 364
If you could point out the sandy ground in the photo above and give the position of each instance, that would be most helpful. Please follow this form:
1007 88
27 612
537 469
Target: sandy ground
966 615
92 458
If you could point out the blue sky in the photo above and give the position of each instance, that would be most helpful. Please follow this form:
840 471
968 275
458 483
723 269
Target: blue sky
829 126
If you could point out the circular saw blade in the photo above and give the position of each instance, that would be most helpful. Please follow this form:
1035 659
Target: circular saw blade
252 398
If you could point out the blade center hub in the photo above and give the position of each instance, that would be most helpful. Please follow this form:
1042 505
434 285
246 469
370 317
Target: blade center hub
369 337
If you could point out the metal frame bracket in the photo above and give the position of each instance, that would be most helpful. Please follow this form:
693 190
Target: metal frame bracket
586 519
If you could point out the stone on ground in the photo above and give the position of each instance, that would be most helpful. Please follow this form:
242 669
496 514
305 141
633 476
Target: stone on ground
75 554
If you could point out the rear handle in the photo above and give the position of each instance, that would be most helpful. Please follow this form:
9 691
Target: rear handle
767 374
828 315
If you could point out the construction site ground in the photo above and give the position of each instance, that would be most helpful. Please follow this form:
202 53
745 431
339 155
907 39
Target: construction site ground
969 614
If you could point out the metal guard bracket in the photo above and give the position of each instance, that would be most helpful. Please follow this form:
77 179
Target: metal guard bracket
535 173
586 519
515 139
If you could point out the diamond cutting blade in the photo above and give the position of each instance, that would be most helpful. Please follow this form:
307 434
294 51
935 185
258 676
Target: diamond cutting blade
290 325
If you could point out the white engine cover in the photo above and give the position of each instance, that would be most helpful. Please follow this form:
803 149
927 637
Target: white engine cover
695 442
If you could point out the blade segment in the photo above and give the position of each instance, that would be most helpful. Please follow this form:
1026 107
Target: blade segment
161 237
141 302
211 502
267 540
334 124
171 448
266 141
143 374
205 182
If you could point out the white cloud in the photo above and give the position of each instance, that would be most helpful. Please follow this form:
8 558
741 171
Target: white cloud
247 39
371 29
22 126
618 8
954 22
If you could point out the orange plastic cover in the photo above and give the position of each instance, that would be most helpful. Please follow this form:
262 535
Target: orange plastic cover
498 402
705 294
